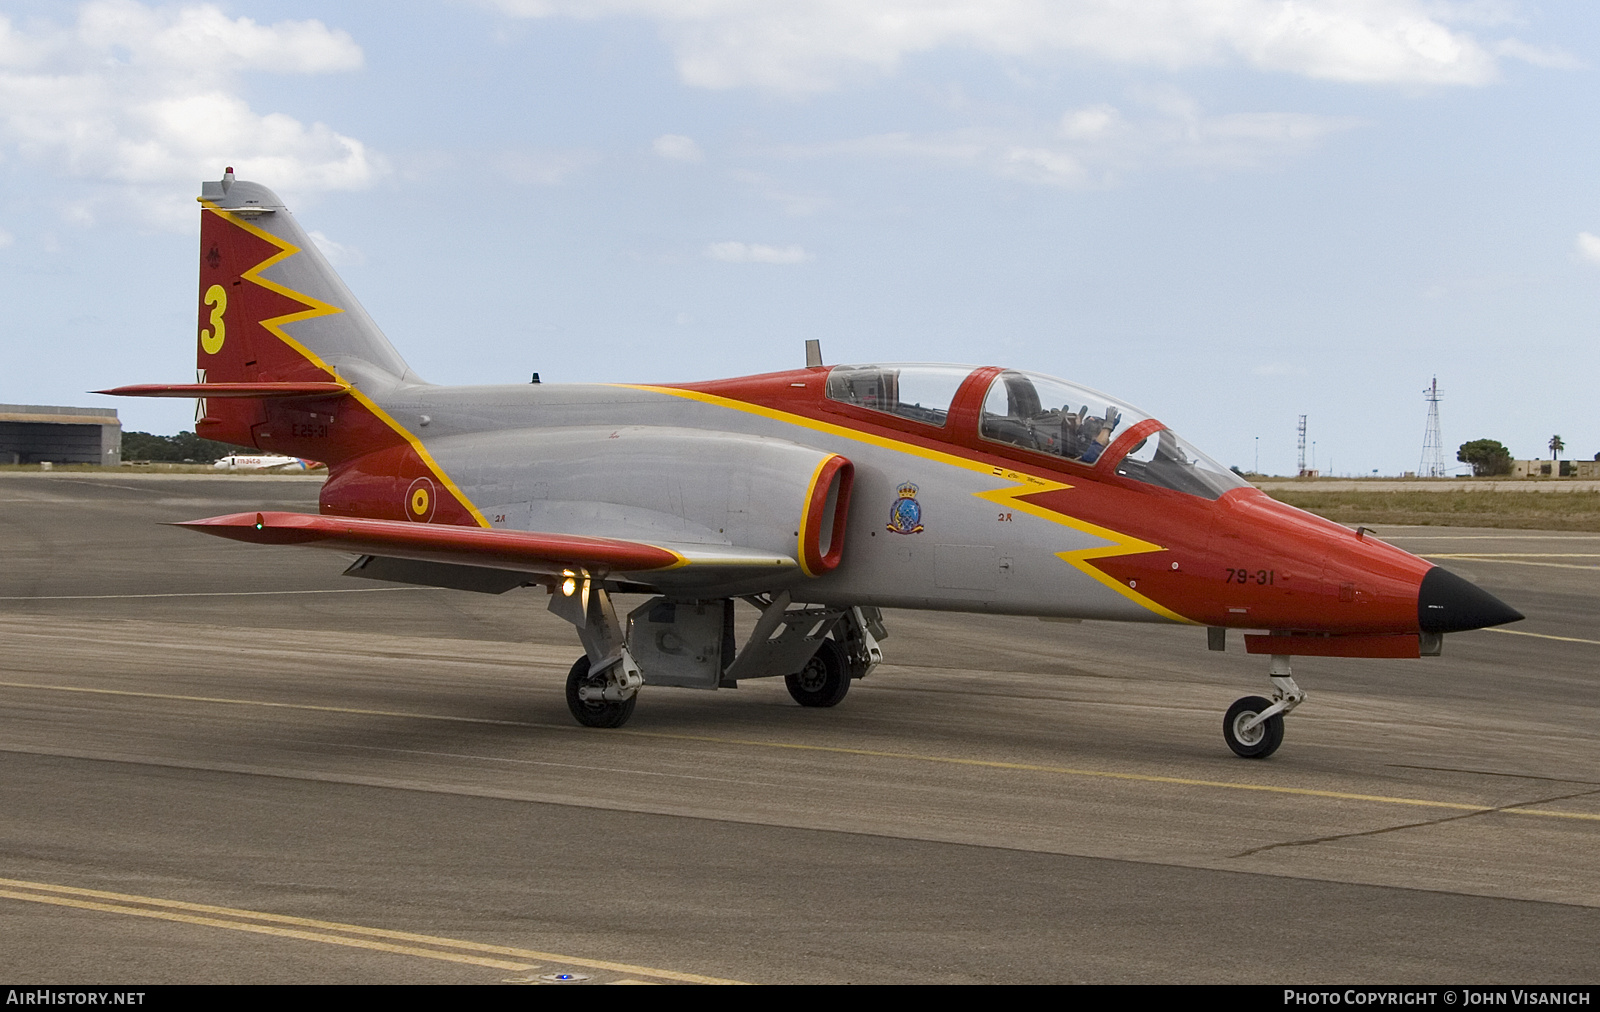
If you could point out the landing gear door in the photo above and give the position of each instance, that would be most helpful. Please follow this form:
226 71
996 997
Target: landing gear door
678 642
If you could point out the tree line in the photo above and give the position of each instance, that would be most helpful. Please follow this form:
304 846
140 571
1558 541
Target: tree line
185 447
1490 457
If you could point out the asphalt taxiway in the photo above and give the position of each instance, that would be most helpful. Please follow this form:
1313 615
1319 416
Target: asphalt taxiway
223 763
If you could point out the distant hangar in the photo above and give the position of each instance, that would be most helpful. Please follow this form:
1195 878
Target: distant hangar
33 433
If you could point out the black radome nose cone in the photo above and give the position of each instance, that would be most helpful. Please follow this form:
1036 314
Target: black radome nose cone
1447 603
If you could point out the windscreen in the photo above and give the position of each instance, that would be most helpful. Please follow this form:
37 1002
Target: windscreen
1168 460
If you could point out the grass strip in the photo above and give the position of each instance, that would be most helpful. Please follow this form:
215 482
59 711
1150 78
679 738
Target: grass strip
1544 511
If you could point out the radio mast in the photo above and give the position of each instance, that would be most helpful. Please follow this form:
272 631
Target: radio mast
1432 465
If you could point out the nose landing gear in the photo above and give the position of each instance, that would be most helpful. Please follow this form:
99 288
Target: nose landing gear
1253 726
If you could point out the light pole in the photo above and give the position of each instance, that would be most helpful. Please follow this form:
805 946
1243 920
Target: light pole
1257 468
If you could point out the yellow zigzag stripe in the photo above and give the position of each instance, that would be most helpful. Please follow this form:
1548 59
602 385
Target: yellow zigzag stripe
1008 496
319 308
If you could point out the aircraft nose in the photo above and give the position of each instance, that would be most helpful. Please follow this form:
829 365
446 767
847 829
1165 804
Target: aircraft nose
1447 603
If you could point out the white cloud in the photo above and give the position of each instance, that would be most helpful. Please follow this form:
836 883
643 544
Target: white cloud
143 96
1042 165
795 203
1278 369
755 253
6 238
1589 246
542 168
1093 145
338 254
678 148
1539 56
956 146
1090 123
200 38
1246 140
802 46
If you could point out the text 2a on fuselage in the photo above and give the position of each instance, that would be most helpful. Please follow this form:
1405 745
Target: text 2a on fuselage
820 495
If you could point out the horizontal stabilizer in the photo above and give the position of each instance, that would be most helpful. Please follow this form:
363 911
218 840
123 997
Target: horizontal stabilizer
309 389
517 551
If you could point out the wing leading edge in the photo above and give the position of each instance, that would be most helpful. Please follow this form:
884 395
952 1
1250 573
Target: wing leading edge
516 551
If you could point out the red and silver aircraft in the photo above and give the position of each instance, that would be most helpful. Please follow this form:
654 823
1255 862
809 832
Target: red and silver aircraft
819 495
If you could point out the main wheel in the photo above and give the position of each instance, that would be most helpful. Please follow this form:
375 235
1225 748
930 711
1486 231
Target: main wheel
595 712
1258 742
824 680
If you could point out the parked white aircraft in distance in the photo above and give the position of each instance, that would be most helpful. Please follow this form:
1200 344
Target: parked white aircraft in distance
258 462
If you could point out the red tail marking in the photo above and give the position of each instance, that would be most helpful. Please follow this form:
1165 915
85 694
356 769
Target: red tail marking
233 346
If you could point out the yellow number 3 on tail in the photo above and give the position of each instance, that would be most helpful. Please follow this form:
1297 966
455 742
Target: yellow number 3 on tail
211 339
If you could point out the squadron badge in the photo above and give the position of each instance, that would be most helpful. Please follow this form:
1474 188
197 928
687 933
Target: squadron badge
905 516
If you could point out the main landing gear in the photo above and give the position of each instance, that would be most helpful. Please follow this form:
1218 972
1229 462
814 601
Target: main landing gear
587 700
602 685
1253 726
825 678
817 649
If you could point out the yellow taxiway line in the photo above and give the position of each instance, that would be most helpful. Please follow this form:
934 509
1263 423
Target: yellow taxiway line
1517 558
1070 771
1542 636
357 936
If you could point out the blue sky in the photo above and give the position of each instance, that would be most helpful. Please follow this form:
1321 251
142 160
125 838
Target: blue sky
1229 213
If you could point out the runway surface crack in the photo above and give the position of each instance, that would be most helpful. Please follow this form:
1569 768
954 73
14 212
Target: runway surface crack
1492 773
1409 825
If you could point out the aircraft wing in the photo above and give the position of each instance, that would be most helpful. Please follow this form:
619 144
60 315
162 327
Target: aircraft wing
487 548
252 390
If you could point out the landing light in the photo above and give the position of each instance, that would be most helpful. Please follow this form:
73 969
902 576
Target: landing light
568 586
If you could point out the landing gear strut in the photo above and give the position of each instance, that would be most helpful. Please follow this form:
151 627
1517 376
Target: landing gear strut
604 683
1253 726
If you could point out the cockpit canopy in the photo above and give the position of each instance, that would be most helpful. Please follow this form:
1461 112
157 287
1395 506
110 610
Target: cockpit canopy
922 393
1051 416
1041 414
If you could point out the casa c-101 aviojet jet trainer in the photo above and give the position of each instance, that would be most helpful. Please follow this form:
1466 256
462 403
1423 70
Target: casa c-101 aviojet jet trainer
820 495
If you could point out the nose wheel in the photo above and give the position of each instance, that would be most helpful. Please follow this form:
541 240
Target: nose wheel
1253 726
1249 735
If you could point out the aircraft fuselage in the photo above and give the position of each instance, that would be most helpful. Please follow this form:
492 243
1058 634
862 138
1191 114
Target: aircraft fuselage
1002 530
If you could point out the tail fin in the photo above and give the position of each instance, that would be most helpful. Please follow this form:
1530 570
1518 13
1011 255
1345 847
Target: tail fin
272 310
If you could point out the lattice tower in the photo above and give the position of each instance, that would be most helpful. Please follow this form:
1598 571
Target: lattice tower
1302 430
1432 465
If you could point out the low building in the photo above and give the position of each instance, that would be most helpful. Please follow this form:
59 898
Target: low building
34 433
1555 468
